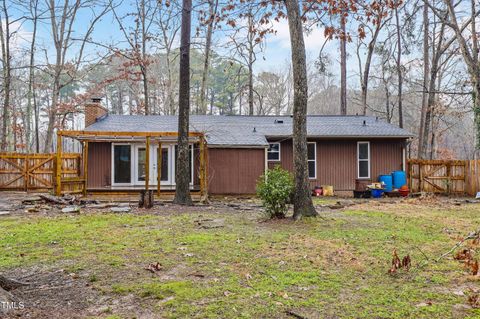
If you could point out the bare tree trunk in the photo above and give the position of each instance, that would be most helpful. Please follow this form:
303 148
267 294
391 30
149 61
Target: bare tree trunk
250 90
366 71
426 68
343 69
212 100
37 123
145 90
476 112
432 139
182 174
399 67
52 114
31 79
206 61
6 59
144 64
432 81
387 97
62 20
303 205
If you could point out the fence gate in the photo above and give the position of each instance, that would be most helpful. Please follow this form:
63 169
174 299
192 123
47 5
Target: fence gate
437 176
37 171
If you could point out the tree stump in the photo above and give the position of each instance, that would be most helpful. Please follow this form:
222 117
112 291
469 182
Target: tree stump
146 199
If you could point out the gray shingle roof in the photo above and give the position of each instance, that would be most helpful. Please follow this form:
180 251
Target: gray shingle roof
252 130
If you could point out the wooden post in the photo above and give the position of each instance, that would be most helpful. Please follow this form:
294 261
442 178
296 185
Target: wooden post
159 167
26 175
449 177
147 162
265 158
420 177
475 176
203 171
85 167
58 166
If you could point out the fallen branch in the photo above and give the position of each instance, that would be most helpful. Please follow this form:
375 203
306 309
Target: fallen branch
10 284
294 314
472 235
53 199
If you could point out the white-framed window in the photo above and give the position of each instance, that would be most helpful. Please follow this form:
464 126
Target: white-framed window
363 159
312 159
273 152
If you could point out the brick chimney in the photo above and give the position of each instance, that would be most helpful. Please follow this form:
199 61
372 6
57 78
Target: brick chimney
94 110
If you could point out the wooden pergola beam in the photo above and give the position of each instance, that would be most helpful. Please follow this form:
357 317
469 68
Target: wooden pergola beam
128 134
148 136
159 167
203 171
147 162
85 167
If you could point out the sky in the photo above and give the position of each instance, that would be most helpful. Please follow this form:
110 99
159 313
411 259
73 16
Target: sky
275 55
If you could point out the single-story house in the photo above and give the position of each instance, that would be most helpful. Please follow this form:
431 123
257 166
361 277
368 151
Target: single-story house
342 150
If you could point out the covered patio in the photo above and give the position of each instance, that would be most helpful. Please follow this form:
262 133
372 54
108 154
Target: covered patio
157 141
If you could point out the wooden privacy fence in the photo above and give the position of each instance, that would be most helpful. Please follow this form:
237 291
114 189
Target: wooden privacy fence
37 172
444 176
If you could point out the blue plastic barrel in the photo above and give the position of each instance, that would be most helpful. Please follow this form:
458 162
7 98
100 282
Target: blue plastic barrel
387 181
399 179
377 193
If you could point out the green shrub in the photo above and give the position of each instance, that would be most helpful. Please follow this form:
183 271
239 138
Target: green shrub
275 189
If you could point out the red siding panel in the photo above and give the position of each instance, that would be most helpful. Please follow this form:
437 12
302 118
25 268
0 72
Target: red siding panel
387 156
234 170
99 164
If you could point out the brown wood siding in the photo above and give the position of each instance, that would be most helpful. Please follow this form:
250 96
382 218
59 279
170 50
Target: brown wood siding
386 156
337 160
99 164
336 164
234 170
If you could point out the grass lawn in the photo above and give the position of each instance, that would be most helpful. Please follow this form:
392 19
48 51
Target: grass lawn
218 262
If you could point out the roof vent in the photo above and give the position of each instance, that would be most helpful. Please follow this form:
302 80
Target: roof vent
278 121
254 129
364 123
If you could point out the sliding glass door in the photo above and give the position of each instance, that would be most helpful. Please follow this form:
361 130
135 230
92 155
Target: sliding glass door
129 164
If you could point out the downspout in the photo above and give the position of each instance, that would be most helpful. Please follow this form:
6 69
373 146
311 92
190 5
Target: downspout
266 163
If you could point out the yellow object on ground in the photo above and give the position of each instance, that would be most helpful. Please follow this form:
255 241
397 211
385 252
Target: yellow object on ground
327 190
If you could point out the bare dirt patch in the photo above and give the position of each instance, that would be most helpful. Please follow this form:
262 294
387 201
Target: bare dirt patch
52 294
